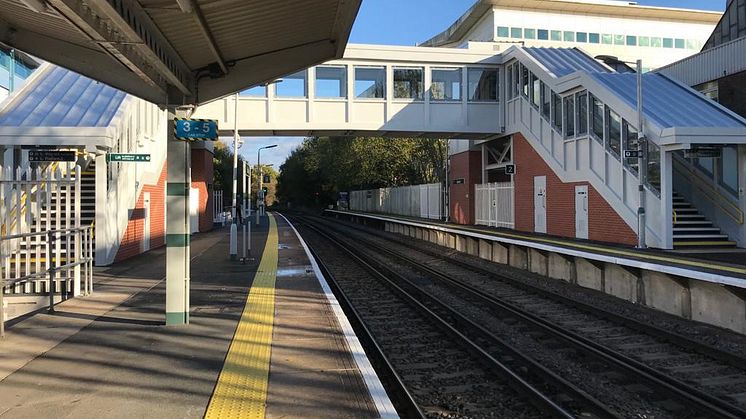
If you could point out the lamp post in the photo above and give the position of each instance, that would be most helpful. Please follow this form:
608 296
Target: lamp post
642 148
259 192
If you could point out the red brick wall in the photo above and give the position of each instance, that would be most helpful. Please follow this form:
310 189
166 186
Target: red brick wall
604 224
131 243
202 179
467 166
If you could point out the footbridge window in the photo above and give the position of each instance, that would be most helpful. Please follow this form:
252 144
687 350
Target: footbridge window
581 104
408 83
293 85
331 82
524 80
569 102
535 91
446 84
630 136
256 91
546 104
516 79
557 111
597 119
483 85
613 132
654 166
370 82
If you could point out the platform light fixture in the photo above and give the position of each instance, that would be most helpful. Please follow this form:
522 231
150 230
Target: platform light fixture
259 192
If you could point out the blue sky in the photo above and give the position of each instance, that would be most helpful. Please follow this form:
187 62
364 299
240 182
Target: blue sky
407 22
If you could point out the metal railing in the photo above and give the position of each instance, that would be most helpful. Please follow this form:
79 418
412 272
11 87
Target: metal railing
79 240
709 190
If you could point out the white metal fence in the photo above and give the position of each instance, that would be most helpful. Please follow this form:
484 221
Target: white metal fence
423 201
218 212
494 204
41 235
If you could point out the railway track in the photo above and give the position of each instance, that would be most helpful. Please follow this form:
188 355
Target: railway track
447 372
615 351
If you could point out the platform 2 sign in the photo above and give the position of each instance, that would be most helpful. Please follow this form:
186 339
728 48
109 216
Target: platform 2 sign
509 169
127 158
50 155
195 129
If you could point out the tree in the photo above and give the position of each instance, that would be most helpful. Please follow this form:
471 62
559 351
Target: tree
321 167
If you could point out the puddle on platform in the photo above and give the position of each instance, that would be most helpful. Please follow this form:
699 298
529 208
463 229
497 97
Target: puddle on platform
295 271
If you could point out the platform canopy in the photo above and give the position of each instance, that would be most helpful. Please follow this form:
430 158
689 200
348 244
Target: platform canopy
174 52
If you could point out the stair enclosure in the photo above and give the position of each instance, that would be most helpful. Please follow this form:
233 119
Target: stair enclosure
46 243
581 129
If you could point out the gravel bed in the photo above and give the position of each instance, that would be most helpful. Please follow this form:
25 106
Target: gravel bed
443 378
647 349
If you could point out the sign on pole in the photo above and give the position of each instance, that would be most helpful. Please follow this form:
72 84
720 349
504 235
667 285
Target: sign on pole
195 129
509 169
50 155
632 154
119 157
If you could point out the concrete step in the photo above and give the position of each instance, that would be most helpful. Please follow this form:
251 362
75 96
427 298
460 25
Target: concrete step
705 244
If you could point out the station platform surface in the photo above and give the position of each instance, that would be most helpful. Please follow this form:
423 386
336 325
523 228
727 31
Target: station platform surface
265 339
725 266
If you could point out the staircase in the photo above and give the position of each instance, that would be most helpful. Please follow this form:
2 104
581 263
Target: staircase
691 230
32 255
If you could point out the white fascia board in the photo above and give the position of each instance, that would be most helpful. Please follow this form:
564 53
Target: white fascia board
388 53
702 135
61 136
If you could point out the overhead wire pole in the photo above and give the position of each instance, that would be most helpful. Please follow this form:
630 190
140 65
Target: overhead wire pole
234 228
642 169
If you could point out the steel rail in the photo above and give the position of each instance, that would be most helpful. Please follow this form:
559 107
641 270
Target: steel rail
729 358
693 397
518 383
404 402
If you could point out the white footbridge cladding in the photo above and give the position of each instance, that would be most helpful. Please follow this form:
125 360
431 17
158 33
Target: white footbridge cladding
369 101
577 113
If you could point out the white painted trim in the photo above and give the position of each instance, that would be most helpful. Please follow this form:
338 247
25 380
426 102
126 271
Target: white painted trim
385 408
651 266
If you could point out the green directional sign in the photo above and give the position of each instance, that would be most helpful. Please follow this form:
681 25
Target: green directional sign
119 157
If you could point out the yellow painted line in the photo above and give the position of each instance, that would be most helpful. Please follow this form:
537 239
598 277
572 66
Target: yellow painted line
241 390
668 260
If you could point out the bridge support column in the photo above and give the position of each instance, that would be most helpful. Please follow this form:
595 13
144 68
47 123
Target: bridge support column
177 225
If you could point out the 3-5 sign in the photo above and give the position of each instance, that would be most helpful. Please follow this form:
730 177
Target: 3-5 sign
195 129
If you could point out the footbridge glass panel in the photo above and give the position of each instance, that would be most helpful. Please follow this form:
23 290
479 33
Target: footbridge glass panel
375 91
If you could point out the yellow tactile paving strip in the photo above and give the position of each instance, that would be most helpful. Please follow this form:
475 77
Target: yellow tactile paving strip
241 390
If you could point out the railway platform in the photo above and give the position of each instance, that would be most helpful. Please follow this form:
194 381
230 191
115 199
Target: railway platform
707 287
265 339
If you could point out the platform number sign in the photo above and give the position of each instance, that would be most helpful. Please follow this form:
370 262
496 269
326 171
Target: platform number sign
510 169
195 129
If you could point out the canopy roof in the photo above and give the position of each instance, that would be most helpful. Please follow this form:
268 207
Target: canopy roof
57 97
180 51
563 61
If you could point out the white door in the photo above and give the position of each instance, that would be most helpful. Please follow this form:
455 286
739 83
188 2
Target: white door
581 212
194 210
146 221
540 204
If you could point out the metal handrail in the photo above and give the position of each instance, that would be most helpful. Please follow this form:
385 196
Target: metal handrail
719 200
22 200
84 245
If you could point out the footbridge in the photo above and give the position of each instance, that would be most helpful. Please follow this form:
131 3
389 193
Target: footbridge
374 90
576 113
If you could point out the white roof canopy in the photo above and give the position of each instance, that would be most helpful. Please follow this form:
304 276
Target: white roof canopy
174 52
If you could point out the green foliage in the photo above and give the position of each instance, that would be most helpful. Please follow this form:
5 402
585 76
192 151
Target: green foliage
321 167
